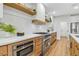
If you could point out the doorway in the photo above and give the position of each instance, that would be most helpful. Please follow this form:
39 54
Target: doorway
64 29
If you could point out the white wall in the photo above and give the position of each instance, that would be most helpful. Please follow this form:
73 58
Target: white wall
40 16
40 12
40 28
78 28
1 10
68 19
21 20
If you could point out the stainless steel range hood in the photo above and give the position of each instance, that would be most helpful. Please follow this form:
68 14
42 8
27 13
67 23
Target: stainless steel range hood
40 16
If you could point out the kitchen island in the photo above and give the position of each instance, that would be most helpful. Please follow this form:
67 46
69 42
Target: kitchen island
74 44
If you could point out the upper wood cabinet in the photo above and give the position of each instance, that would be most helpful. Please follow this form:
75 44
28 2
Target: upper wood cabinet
22 7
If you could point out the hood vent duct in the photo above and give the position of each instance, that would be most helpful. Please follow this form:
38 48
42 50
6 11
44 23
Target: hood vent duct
40 16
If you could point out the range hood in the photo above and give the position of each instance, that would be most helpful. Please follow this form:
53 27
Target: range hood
40 16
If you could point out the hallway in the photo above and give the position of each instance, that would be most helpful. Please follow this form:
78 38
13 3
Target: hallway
60 48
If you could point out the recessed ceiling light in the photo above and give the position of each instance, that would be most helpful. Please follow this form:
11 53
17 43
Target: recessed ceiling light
75 6
53 12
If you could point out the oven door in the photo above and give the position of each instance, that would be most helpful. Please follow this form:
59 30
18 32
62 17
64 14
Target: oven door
25 49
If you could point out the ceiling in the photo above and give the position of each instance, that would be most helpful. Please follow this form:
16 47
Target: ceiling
59 9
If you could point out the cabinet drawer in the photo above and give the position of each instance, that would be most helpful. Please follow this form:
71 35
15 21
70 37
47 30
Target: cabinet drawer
38 39
37 53
3 51
38 43
38 48
76 52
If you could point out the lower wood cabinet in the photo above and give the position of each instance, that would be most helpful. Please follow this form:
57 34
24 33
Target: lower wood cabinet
37 46
9 50
3 51
74 47
53 37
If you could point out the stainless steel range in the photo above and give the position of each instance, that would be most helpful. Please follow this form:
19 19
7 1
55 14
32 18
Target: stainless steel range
46 41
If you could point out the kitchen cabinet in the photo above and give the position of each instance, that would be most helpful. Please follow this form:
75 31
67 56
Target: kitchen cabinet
21 7
37 46
53 37
22 48
74 47
32 46
3 51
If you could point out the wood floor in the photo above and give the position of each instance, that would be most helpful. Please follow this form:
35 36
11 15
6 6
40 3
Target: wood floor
60 48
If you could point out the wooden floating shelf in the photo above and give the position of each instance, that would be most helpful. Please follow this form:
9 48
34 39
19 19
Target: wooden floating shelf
38 22
21 7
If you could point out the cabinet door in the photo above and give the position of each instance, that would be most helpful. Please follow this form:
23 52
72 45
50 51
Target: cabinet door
76 49
73 47
38 41
76 52
3 51
37 46
37 50
72 50
53 37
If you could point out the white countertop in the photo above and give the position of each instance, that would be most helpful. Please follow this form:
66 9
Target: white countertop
74 36
5 41
52 32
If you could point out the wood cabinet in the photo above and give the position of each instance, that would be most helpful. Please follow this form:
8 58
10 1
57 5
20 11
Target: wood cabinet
22 8
21 47
3 51
37 46
74 47
53 38
9 50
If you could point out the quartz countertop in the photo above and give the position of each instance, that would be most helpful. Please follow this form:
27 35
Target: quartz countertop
76 38
10 40
5 41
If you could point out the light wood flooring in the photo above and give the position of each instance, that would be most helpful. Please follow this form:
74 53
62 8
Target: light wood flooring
60 48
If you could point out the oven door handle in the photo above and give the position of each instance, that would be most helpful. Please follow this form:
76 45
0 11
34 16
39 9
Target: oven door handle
23 47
